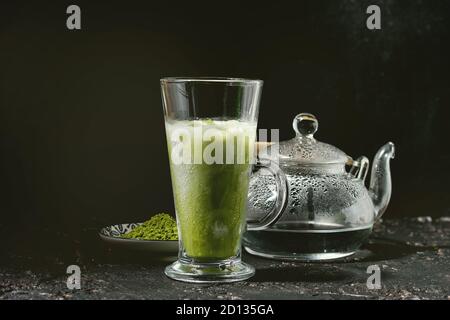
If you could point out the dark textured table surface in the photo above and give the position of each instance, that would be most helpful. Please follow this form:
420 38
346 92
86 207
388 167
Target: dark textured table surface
413 255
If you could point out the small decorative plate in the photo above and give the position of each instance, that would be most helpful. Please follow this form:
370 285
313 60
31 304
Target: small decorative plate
112 235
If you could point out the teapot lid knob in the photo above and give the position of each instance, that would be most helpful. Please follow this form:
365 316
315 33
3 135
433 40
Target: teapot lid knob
305 124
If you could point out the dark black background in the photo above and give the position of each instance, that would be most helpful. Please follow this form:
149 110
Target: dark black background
82 136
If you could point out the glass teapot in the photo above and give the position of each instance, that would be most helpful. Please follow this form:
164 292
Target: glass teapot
328 212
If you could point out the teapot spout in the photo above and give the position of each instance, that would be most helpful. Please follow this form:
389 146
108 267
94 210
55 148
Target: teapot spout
380 181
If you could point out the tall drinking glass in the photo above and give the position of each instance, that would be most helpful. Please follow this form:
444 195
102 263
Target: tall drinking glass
211 130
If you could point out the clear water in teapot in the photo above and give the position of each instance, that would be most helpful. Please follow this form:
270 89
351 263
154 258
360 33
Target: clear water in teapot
305 241
323 219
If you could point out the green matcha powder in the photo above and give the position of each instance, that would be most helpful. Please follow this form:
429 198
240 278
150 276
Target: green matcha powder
160 227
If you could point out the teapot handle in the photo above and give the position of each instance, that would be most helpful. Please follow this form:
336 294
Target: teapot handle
359 168
282 196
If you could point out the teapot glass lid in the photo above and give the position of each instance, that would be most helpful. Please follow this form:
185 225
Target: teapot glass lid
305 149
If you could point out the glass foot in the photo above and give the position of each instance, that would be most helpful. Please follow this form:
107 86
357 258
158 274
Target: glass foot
229 271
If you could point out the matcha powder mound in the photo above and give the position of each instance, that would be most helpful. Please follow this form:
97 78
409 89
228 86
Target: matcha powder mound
160 227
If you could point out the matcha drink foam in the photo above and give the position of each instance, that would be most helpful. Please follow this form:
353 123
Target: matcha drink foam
211 196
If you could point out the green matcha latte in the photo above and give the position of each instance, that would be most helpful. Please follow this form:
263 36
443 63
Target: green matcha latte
210 162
